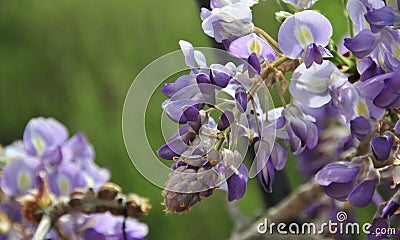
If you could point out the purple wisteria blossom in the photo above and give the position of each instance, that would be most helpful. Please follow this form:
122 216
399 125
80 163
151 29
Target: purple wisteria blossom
305 34
301 129
354 181
383 90
233 20
43 135
383 146
69 164
243 47
20 176
313 86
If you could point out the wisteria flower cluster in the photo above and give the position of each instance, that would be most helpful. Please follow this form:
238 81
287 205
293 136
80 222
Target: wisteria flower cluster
341 122
47 174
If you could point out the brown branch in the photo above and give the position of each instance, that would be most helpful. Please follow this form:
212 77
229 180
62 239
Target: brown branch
289 208
108 198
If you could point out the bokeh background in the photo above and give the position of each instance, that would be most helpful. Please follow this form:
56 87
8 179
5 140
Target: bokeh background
74 60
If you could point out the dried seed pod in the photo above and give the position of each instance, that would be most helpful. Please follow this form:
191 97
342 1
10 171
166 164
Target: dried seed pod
76 199
30 208
109 191
137 206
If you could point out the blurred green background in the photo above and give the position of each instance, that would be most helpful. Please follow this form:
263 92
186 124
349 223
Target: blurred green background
74 60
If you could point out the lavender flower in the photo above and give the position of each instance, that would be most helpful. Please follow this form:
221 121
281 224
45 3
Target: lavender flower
301 129
383 90
360 127
305 34
383 146
243 47
312 86
19 176
233 20
42 135
68 163
354 181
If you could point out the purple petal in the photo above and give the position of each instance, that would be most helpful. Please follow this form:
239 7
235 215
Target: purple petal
377 223
245 46
339 172
19 176
362 44
280 158
43 134
65 179
390 209
372 87
385 99
170 89
266 174
381 148
203 78
397 127
299 128
237 184
313 54
188 52
225 120
362 194
381 17
339 191
220 75
360 127
302 29
312 135
252 65
241 99
191 113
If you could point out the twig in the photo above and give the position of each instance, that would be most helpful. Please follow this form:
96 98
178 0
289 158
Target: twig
267 36
108 198
289 208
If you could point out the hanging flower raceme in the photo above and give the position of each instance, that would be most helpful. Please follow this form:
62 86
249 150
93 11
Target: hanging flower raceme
340 122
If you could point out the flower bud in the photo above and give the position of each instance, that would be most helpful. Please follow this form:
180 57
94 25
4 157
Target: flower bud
225 120
241 99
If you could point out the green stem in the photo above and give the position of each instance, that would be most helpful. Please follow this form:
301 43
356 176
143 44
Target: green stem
349 22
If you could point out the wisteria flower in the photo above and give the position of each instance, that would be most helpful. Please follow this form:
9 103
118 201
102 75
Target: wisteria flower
305 34
301 129
354 181
19 176
234 20
311 86
243 47
383 90
43 135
